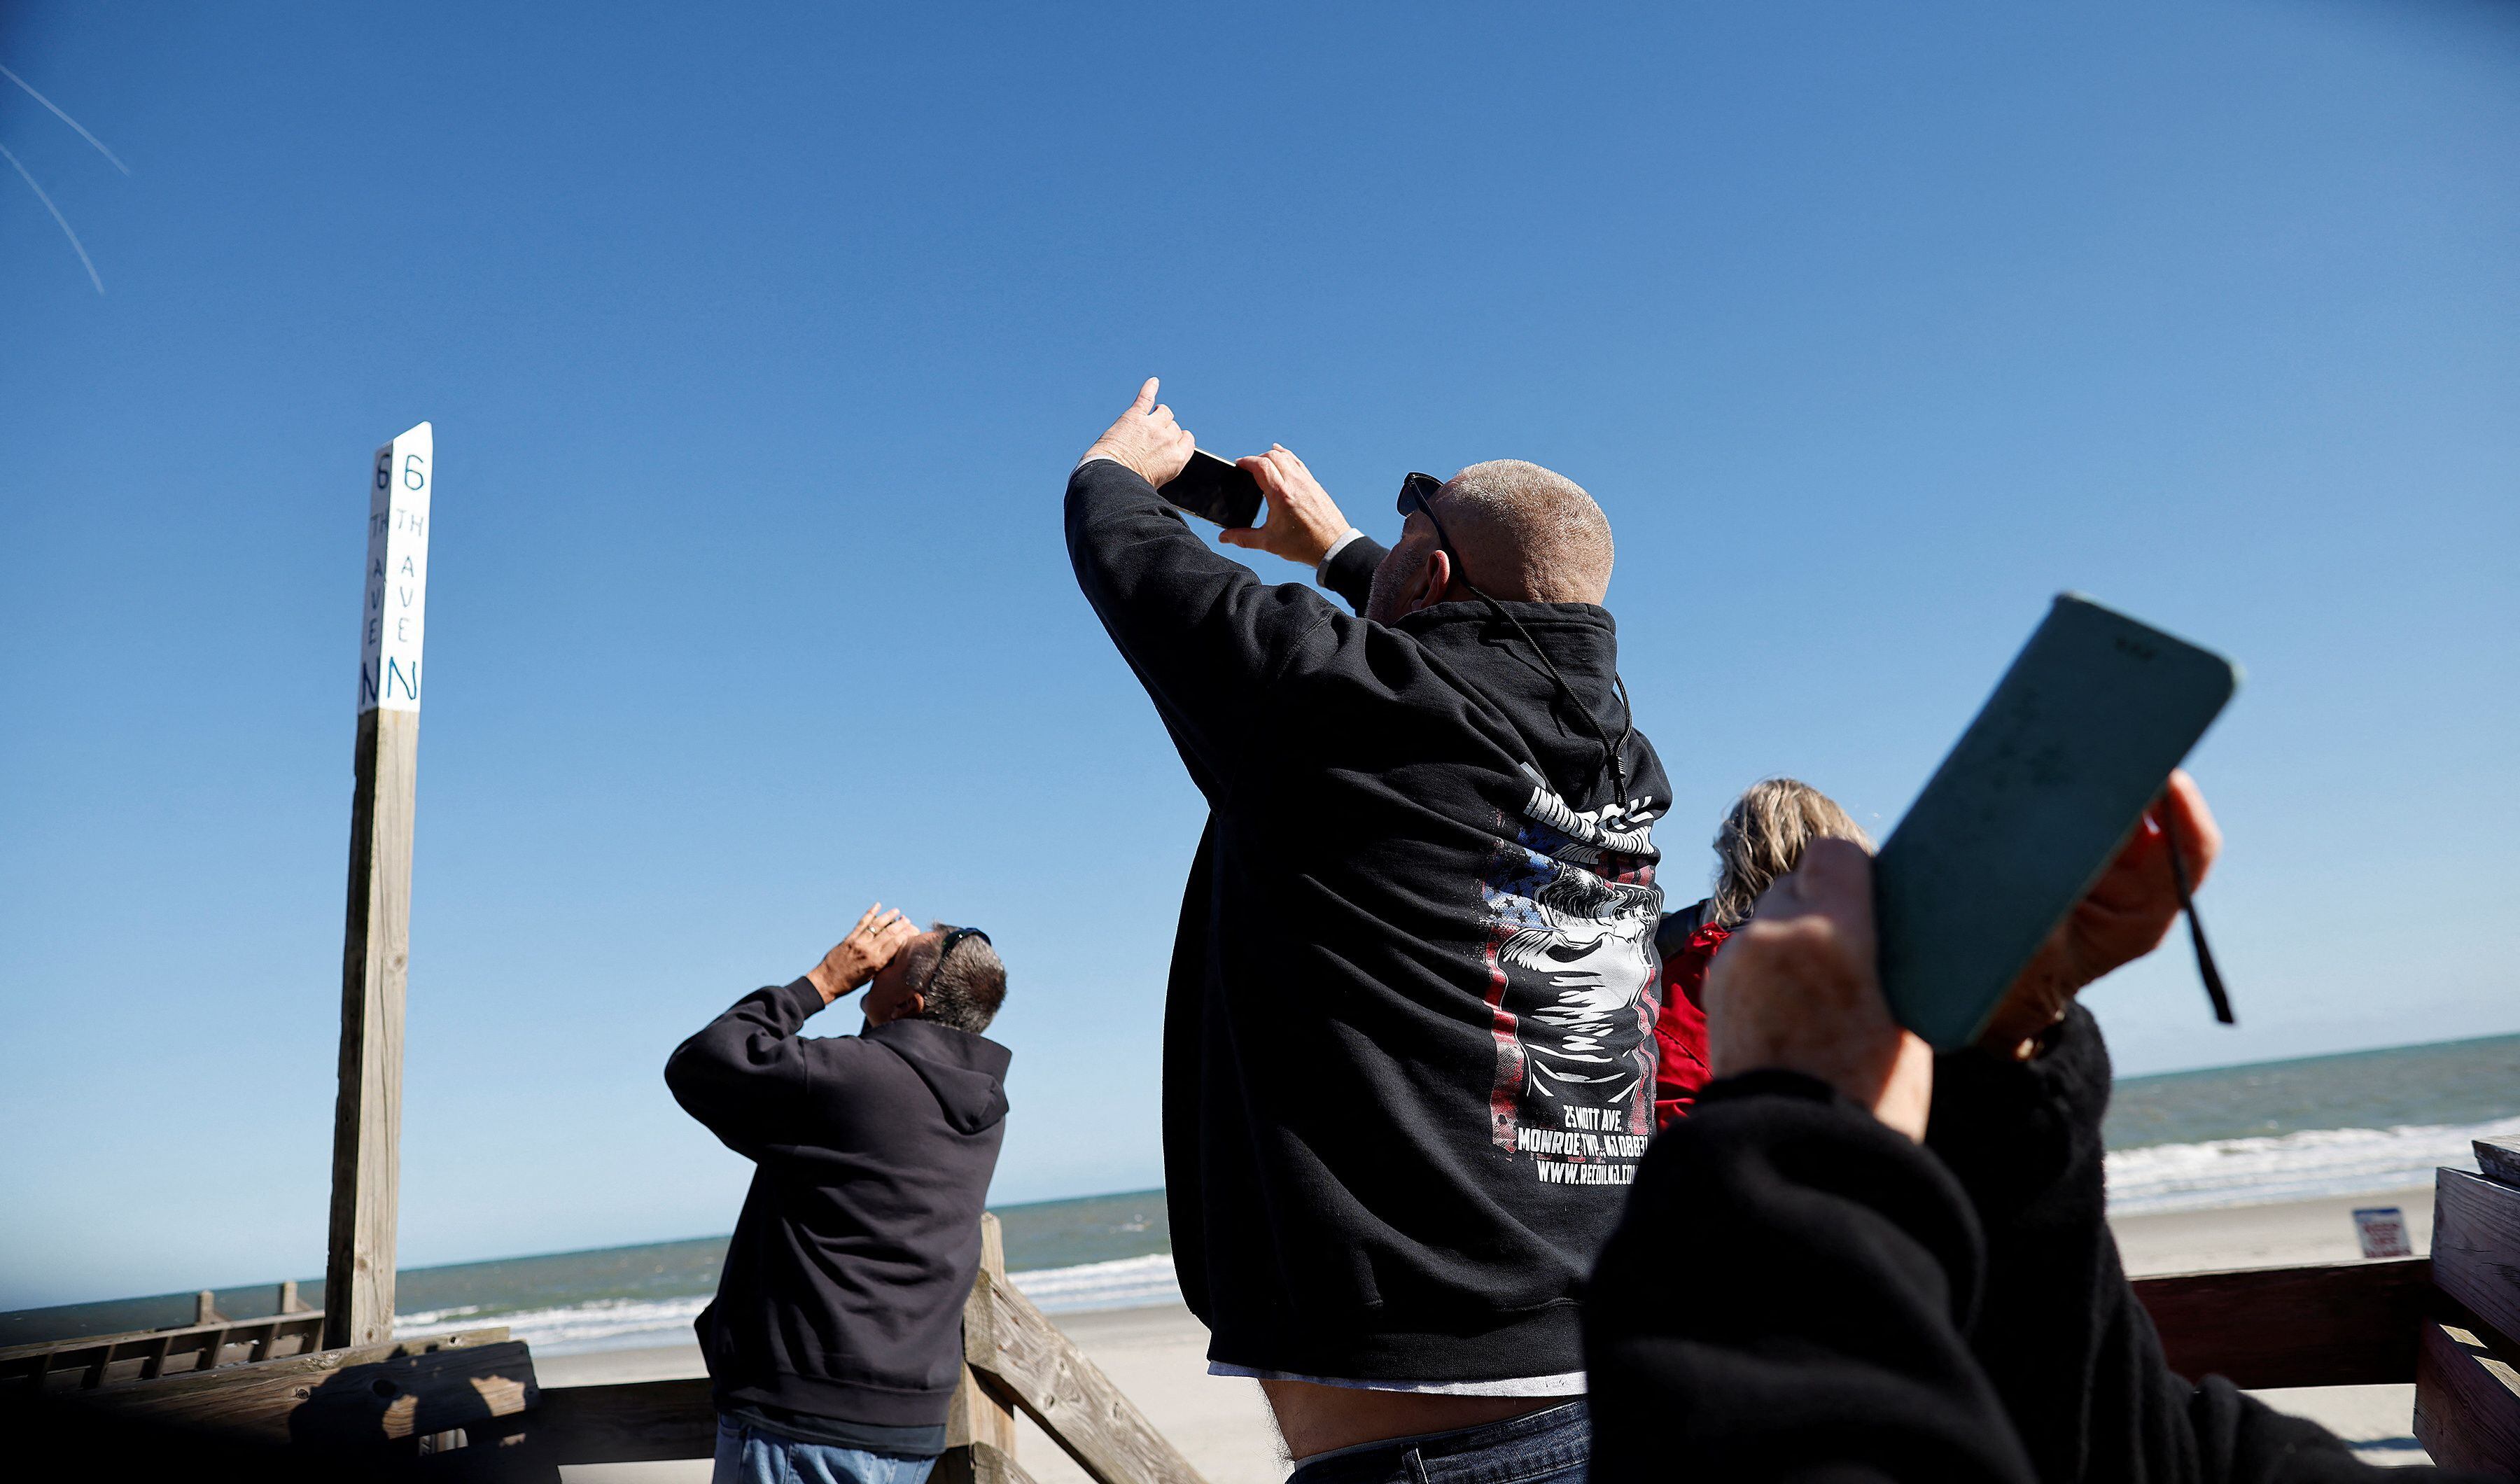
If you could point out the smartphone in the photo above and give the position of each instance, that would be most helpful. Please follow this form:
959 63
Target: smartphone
2030 806
1215 489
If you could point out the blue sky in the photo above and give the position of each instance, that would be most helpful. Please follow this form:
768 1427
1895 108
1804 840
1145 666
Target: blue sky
758 344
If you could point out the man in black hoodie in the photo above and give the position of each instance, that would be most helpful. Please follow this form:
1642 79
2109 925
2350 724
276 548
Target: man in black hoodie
835 1341
1919 1282
1408 1063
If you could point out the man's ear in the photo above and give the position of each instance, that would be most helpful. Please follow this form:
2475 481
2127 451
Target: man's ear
1436 573
913 1006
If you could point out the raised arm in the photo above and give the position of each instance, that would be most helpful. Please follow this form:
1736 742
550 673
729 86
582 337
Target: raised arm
1306 527
1889 1311
2017 1119
745 1076
1203 633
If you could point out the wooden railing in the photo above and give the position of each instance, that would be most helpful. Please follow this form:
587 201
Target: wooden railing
2467 1366
351 1399
2350 1324
474 1395
211 1340
2443 1324
1014 1358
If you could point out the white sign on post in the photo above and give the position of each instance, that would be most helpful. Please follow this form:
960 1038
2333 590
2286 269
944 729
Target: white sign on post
397 574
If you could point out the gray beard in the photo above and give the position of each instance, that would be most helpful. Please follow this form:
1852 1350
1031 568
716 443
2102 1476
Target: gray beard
1382 599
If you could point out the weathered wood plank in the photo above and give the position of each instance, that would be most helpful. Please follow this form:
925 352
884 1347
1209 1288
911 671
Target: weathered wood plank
976 1415
105 1359
323 1363
16 1352
1023 1357
2468 1402
2499 1160
368 1394
978 1464
2476 1246
2326 1325
628 1422
367 1113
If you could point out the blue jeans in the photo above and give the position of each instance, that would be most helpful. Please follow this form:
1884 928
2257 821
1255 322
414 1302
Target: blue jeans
751 1455
1550 1447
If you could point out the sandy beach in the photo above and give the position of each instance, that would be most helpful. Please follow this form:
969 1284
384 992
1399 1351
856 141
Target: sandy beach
1158 1355
2262 1237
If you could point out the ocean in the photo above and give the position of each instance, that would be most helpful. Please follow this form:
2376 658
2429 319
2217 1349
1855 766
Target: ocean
2348 1125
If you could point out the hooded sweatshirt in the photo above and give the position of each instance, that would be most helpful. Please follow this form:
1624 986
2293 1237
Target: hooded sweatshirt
1408 1051
843 1294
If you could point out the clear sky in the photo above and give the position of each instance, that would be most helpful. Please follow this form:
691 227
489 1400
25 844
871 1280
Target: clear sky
758 344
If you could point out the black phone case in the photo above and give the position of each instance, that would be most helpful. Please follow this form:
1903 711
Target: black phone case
1214 489
2030 806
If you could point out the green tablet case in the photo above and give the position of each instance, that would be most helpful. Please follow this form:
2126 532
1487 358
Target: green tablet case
2030 806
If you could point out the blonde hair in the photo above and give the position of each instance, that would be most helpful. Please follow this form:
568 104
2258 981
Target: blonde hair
1762 837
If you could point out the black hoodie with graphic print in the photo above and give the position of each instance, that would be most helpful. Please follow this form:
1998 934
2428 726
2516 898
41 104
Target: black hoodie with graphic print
1408 1049
841 1300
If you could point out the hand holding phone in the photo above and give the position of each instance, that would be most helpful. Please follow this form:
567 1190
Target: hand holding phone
1304 522
1145 438
1214 489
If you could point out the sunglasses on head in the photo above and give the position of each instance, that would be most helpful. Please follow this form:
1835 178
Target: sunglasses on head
945 950
1418 493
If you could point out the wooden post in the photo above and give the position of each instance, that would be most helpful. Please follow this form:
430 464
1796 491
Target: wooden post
977 1416
376 940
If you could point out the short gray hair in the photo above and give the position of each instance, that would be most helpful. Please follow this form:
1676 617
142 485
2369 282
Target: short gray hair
966 991
1531 533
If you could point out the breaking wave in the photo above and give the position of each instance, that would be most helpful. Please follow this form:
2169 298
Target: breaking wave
1129 1283
2161 1177
2314 1162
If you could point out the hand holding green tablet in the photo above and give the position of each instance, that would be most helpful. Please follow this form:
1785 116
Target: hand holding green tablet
2029 812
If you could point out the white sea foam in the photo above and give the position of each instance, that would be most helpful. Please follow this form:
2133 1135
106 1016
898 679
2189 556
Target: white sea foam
611 1323
2163 1177
1131 1283
2316 1162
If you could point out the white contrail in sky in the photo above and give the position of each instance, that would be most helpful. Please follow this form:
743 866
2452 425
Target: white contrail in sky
66 118
56 216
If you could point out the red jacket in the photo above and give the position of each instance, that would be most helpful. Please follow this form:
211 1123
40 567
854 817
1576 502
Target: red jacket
1679 1031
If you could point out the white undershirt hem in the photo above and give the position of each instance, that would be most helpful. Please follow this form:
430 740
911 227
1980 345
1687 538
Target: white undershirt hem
1564 1383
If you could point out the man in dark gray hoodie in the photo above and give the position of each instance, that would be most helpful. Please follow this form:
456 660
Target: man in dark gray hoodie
835 1341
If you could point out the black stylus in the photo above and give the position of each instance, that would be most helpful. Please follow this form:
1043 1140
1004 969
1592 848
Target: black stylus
2195 928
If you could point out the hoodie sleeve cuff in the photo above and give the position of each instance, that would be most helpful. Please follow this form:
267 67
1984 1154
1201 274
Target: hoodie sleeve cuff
800 997
1348 569
2013 1130
1347 538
